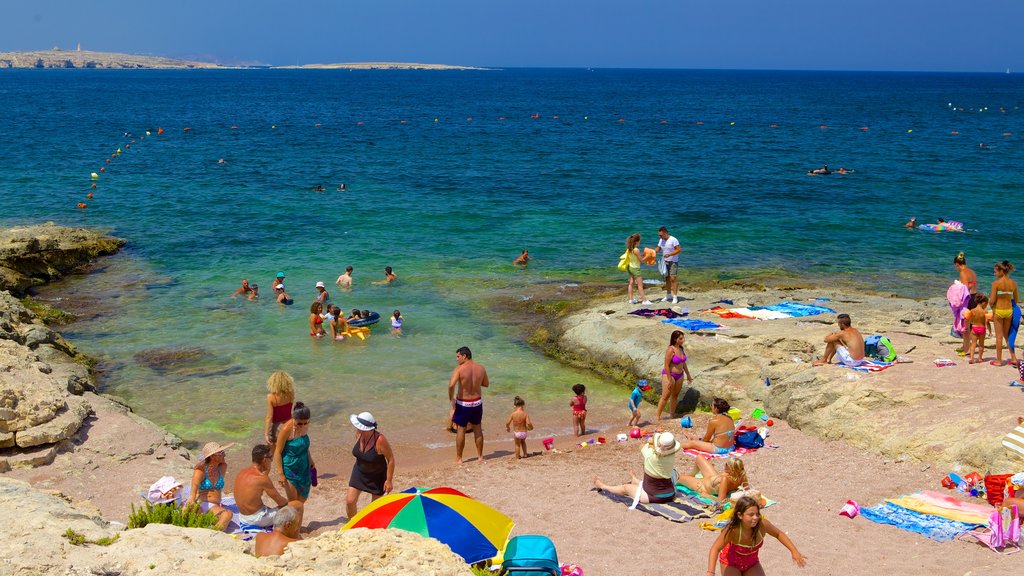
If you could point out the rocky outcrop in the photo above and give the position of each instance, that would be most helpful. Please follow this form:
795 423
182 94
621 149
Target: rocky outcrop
32 255
911 411
33 541
41 381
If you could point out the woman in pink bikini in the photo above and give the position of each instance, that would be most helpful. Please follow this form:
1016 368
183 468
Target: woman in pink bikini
672 374
739 544
280 395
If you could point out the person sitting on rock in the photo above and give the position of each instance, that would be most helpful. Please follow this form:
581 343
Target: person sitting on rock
286 531
208 483
847 344
250 486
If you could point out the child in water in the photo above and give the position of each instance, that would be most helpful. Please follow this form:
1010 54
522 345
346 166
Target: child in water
636 397
579 409
519 424
396 324
977 320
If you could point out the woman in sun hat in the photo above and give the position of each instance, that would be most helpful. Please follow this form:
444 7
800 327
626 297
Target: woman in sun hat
208 482
374 469
658 485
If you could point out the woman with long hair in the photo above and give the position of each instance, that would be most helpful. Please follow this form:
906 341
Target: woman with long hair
720 436
738 545
672 374
280 395
632 257
970 279
1003 300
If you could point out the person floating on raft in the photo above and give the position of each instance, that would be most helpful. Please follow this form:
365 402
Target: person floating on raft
823 171
942 225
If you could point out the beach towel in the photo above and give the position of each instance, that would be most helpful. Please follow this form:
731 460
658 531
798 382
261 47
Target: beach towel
652 312
944 505
869 365
737 452
1014 442
762 314
726 313
937 528
683 490
692 324
1011 338
236 526
722 520
957 295
682 509
795 309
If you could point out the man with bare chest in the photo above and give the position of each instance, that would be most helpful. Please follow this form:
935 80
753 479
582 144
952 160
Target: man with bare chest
464 393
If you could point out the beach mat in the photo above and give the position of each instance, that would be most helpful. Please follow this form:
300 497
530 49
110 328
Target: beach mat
736 452
869 365
935 527
692 324
682 509
652 312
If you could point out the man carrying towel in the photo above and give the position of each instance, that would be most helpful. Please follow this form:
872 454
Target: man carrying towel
464 392
670 250
847 344
250 485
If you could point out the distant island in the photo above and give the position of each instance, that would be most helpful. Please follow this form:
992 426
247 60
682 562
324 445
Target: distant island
57 58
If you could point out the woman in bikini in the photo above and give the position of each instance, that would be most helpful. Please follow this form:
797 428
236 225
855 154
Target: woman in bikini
711 484
739 544
1004 296
316 321
292 457
719 437
970 279
280 395
208 483
672 374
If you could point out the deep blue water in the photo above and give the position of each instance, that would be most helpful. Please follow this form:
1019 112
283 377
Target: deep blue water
448 201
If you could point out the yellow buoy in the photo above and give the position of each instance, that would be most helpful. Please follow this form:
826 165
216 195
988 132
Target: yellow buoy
94 176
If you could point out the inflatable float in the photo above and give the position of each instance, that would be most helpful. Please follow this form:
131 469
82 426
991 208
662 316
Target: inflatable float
370 320
353 332
952 226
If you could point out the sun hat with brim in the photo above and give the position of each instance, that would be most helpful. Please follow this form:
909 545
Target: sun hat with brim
280 274
211 448
364 421
666 444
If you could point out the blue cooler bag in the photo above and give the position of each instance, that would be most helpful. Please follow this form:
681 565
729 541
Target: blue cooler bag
532 555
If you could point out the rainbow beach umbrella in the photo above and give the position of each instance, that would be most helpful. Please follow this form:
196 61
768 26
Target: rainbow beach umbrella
470 528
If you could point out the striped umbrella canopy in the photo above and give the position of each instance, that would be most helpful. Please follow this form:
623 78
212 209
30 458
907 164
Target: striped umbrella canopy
470 528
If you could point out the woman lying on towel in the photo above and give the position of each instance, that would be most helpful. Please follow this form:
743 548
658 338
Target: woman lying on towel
719 439
715 485
659 470
208 482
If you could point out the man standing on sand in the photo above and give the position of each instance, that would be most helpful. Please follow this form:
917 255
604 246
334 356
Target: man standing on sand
250 486
467 404
345 280
847 344
670 250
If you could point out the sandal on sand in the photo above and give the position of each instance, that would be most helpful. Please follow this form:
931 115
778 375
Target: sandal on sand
996 363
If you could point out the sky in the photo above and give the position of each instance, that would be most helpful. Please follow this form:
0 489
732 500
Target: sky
896 35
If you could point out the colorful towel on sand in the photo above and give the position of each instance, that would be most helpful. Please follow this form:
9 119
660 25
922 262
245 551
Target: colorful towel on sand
796 310
935 527
773 312
945 506
682 509
666 312
726 313
736 452
762 314
692 324
869 365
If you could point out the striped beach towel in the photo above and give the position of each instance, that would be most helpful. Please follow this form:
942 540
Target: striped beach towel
1014 442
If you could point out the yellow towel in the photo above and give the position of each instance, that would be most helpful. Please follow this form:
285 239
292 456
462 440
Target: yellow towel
918 505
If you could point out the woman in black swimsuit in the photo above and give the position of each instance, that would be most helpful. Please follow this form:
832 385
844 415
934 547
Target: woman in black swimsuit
374 469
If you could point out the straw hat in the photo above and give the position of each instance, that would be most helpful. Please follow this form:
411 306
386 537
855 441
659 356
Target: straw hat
666 444
212 448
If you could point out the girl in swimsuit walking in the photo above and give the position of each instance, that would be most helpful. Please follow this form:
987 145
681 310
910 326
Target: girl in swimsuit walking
1004 296
519 424
579 409
737 547
672 374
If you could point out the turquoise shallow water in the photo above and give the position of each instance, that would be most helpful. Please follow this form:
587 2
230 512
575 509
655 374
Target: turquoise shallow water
450 203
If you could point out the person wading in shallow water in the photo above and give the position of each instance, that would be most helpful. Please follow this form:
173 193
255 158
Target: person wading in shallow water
464 393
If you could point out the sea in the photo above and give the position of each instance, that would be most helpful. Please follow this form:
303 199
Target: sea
448 176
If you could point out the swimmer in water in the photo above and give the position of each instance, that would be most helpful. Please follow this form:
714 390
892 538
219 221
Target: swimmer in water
389 276
844 171
522 259
341 187
319 188
222 161
255 292
823 171
912 223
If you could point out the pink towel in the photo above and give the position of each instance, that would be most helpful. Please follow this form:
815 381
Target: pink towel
736 452
957 295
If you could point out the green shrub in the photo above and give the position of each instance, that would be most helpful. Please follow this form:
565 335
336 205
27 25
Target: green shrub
77 539
187 517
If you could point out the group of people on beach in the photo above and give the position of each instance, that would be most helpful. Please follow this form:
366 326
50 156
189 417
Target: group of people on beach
632 258
286 449
978 321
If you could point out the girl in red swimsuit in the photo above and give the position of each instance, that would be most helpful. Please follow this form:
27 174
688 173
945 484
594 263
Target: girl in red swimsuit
738 545
316 321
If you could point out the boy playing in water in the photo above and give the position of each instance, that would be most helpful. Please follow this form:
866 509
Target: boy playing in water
579 409
977 320
636 397
519 424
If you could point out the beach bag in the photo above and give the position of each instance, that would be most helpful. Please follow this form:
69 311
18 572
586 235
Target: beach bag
624 261
880 348
749 439
995 488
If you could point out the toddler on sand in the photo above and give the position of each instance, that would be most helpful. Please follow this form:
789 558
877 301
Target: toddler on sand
636 397
977 320
519 424
579 409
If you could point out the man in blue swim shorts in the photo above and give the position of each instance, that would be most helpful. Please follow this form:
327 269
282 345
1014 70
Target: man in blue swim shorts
464 389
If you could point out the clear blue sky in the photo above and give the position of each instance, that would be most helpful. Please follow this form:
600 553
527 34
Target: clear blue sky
939 35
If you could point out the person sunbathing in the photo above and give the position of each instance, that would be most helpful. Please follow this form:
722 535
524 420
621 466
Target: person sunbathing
659 466
286 530
208 483
711 484
719 438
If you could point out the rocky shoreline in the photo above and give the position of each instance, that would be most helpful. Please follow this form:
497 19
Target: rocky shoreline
916 411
